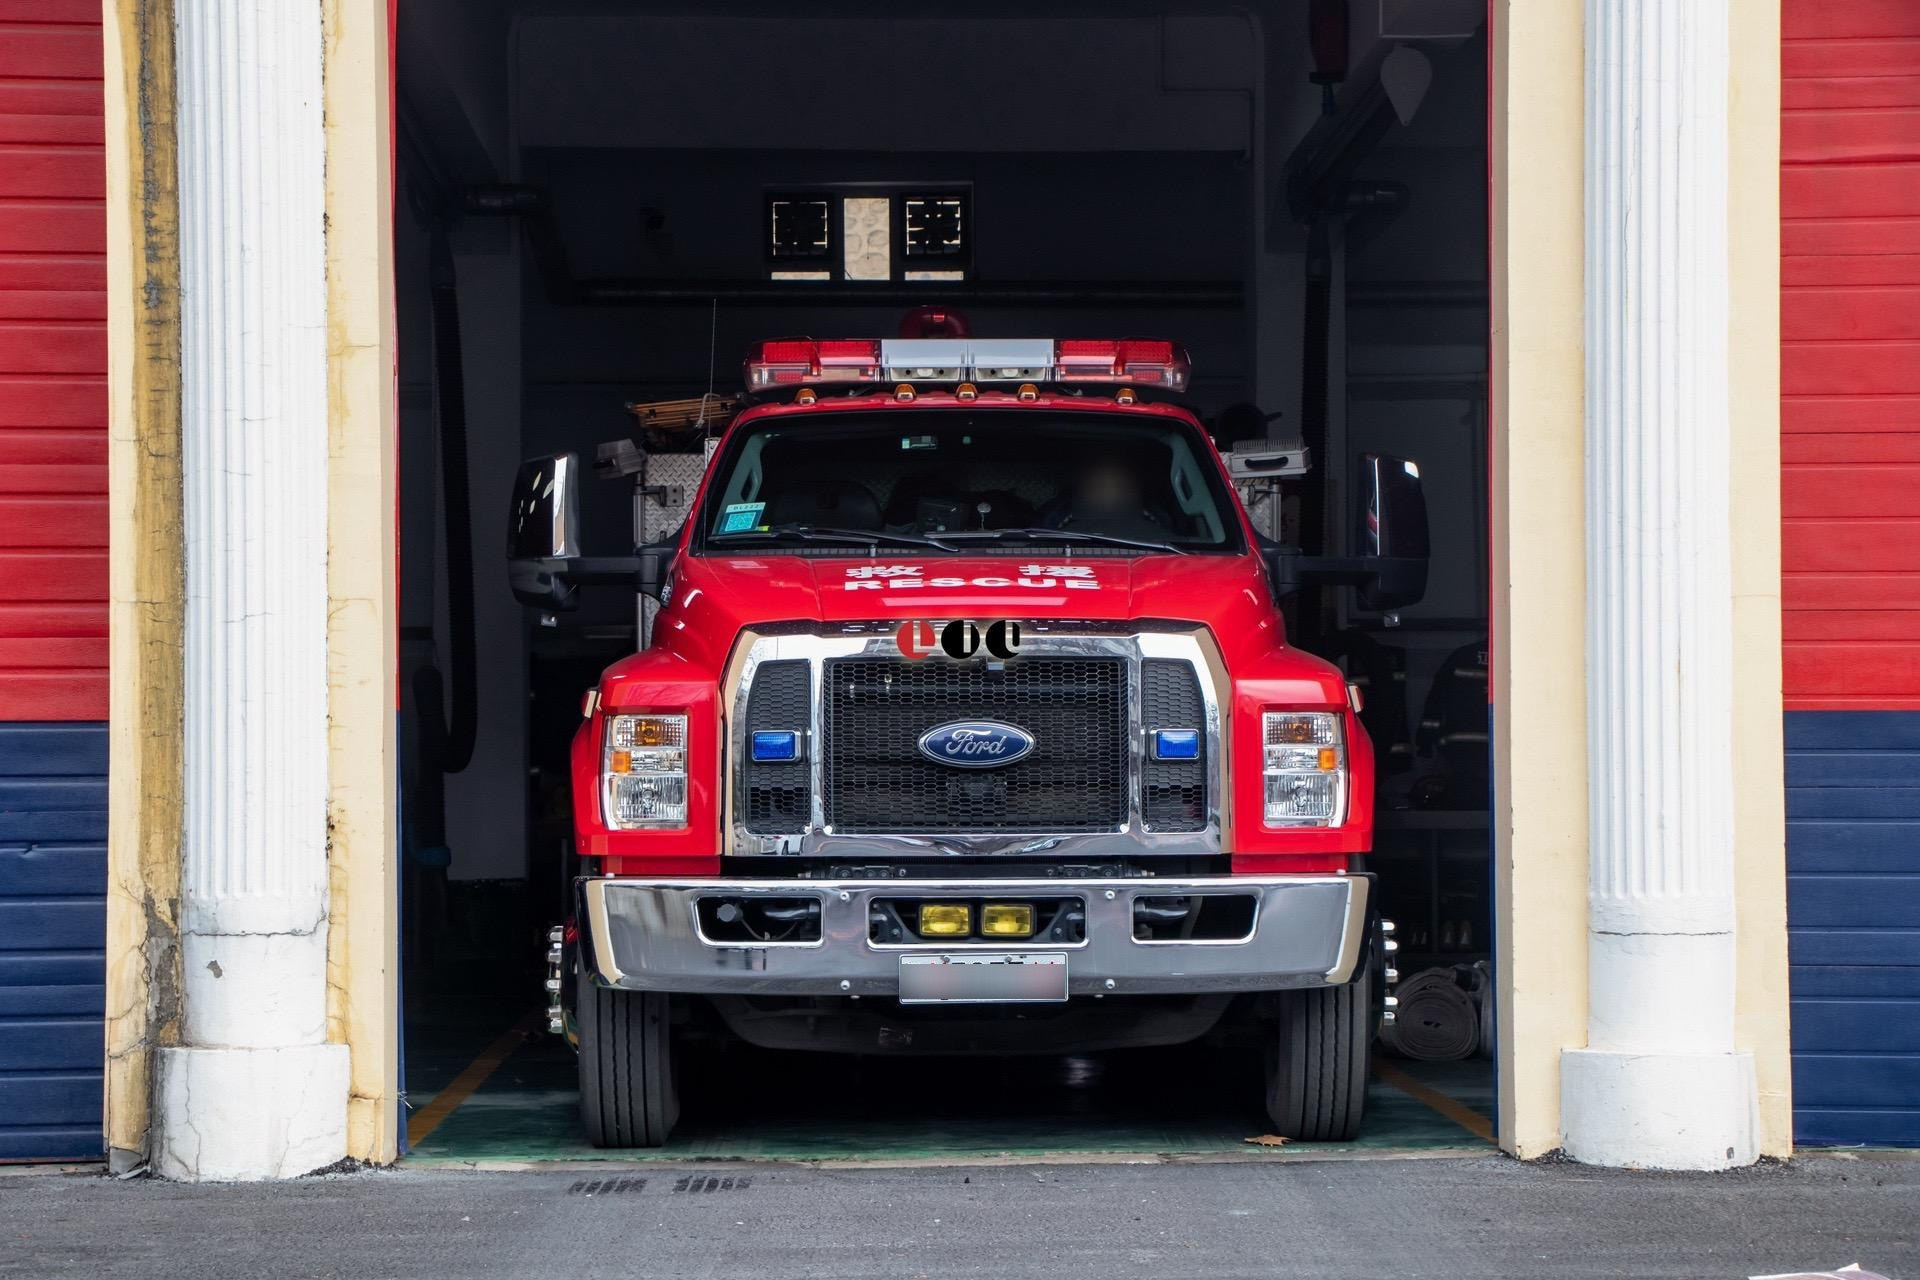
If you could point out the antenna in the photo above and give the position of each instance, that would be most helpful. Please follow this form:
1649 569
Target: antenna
713 348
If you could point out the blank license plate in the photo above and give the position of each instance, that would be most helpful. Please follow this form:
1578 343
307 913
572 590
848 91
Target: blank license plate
991 977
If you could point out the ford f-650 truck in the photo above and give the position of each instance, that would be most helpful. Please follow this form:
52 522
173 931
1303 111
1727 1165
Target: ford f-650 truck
969 724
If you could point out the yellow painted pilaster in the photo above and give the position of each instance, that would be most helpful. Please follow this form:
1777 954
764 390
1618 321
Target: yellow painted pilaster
1539 557
1760 870
147 581
363 943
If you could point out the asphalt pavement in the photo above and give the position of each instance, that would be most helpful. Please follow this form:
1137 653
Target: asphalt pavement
1482 1217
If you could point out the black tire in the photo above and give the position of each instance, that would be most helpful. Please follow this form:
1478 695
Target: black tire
629 1090
1318 1059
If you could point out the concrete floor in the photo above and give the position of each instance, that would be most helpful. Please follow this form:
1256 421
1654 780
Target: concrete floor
743 1103
1483 1218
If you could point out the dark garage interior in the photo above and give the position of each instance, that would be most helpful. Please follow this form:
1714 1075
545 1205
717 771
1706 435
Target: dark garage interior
602 205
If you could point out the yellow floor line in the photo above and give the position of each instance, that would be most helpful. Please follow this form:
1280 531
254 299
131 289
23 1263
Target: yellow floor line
1458 1112
428 1118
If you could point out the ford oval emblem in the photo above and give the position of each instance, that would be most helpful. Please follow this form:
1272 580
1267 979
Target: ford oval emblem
976 744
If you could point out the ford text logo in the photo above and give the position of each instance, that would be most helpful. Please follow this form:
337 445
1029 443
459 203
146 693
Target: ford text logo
976 744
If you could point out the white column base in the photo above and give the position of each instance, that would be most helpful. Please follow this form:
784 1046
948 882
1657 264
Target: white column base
1659 1110
245 1115
1670 990
253 990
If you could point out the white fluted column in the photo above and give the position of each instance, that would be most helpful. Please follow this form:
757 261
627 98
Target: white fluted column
254 1090
1658 1083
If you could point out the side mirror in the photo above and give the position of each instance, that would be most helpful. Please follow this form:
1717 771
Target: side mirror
543 532
1392 533
544 565
653 569
1390 562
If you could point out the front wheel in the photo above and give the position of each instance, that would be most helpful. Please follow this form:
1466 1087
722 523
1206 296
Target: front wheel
1317 1061
629 1090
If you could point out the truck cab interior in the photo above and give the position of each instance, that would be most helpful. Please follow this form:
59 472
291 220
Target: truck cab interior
602 206
977 472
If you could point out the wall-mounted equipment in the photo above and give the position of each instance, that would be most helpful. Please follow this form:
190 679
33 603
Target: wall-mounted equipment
800 229
870 233
936 237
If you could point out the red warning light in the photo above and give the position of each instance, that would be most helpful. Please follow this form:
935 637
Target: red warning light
934 321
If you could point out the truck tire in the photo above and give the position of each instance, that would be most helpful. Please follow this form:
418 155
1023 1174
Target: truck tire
1318 1059
629 1091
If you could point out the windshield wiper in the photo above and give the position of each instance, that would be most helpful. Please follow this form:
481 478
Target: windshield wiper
826 533
1037 534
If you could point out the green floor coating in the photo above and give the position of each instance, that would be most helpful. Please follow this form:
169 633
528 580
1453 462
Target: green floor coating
746 1104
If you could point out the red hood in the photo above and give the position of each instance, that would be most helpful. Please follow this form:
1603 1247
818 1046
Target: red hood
714 598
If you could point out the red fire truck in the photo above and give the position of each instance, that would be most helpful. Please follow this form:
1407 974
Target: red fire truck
969 724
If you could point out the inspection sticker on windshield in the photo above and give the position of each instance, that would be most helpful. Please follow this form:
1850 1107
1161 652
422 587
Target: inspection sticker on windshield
740 517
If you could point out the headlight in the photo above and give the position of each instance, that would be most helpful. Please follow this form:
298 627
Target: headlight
1305 769
643 772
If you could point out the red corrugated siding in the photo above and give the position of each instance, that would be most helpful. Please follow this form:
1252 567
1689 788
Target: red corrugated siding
1850 352
53 363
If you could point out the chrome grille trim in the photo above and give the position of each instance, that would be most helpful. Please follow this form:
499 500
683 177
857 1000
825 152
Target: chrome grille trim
777 796
1135 837
1171 699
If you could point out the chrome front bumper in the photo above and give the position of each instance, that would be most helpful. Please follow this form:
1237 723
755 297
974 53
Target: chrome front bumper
644 935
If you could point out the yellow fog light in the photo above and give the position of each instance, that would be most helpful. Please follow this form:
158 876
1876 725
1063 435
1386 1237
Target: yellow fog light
1006 920
945 919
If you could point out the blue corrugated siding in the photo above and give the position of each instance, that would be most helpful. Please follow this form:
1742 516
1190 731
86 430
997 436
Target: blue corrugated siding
1853 919
53 927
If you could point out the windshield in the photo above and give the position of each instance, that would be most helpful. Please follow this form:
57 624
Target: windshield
956 480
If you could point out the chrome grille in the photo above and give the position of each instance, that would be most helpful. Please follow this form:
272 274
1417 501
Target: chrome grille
1080 690
875 779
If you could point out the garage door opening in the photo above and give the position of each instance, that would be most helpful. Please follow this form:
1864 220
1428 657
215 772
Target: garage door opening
600 209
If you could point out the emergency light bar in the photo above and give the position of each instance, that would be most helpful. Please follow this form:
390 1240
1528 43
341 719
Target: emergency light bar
798 362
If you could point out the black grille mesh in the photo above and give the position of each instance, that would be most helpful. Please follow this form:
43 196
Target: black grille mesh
876 780
779 797
1173 792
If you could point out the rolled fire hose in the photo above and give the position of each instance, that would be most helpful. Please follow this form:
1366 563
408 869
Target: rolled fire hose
1481 984
1437 1020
